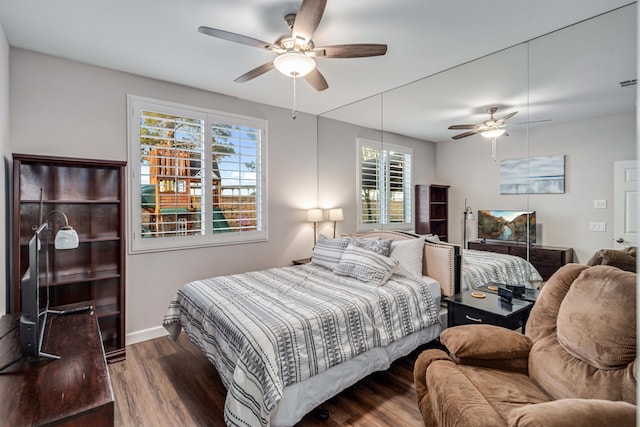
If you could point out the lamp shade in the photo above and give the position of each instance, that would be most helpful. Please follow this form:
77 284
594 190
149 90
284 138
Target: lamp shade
314 215
336 214
493 133
294 64
66 238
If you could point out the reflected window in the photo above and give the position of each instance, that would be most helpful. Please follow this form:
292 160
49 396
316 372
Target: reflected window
384 185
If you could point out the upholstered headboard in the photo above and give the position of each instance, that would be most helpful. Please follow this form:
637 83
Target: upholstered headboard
441 261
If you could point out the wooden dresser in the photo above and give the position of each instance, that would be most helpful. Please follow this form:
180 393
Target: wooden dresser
546 259
74 390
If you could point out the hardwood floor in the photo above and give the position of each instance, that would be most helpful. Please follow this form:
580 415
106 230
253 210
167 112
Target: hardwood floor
162 383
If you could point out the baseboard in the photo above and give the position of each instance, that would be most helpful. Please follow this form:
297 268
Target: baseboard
145 335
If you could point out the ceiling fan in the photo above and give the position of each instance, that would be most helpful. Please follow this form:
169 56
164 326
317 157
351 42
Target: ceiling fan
296 51
491 128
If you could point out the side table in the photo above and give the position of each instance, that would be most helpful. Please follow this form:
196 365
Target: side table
72 391
463 309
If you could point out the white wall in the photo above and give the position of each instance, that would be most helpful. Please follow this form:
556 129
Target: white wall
5 148
591 147
65 108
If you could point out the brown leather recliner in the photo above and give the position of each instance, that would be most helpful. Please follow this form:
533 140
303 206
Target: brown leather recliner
574 367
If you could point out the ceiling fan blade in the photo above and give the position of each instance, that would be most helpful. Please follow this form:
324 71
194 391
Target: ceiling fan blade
463 135
258 71
307 19
316 79
351 50
236 38
508 116
463 126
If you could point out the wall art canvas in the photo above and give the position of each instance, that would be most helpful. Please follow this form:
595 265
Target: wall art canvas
532 175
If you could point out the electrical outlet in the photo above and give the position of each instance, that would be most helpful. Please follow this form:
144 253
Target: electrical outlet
597 226
600 204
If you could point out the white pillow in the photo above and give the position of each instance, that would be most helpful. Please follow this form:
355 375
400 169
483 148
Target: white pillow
366 266
409 254
328 252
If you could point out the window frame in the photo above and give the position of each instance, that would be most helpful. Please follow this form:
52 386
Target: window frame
383 222
137 244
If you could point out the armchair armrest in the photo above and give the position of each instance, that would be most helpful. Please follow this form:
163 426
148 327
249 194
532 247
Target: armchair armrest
574 412
489 346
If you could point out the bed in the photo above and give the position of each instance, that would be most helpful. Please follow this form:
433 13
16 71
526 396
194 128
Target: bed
286 339
480 268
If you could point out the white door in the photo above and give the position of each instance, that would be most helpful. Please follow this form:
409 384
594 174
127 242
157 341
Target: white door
625 204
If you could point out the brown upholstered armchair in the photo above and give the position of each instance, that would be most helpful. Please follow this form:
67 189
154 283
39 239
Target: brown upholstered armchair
576 365
621 258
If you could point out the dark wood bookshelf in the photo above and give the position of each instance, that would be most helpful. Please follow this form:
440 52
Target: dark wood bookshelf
91 194
432 210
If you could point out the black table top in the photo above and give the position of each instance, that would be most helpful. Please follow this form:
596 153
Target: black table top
491 303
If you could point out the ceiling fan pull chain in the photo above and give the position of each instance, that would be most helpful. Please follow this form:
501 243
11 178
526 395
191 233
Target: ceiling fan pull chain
294 112
493 148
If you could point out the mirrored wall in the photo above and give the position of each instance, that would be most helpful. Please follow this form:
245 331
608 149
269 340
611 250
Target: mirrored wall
573 120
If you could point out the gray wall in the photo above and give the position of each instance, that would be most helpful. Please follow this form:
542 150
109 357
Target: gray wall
590 148
5 148
337 166
65 108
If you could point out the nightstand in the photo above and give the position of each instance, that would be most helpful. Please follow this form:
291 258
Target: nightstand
301 261
463 309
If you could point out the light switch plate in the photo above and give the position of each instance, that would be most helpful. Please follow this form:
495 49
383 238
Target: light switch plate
600 204
597 226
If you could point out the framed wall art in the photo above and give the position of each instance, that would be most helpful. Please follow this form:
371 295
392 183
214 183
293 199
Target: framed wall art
532 175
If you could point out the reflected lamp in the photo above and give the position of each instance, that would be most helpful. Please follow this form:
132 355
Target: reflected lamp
335 215
315 215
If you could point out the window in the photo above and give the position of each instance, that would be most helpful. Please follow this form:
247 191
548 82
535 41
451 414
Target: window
384 185
180 199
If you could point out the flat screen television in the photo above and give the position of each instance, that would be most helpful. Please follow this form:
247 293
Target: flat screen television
34 301
506 225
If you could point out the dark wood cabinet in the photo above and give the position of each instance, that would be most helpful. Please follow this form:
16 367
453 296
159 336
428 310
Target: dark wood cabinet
74 390
432 210
546 259
91 194
464 309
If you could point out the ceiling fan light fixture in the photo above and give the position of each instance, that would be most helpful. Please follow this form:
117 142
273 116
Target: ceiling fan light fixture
294 64
493 133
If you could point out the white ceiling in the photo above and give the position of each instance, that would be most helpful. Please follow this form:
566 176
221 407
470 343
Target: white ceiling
159 39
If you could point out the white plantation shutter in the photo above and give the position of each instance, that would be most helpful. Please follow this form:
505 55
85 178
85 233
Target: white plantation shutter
172 150
240 191
197 177
384 185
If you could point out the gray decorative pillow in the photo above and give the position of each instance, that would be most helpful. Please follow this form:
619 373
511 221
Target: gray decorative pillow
379 246
366 266
328 252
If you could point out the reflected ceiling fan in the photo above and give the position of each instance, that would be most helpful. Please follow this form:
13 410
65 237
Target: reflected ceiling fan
296 51
491 128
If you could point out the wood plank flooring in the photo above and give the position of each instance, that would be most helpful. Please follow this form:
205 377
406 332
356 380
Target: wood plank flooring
162 383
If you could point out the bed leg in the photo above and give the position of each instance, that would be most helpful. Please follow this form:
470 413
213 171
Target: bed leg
322 413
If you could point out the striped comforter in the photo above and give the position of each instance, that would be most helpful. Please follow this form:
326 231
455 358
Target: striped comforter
481 267
268 329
